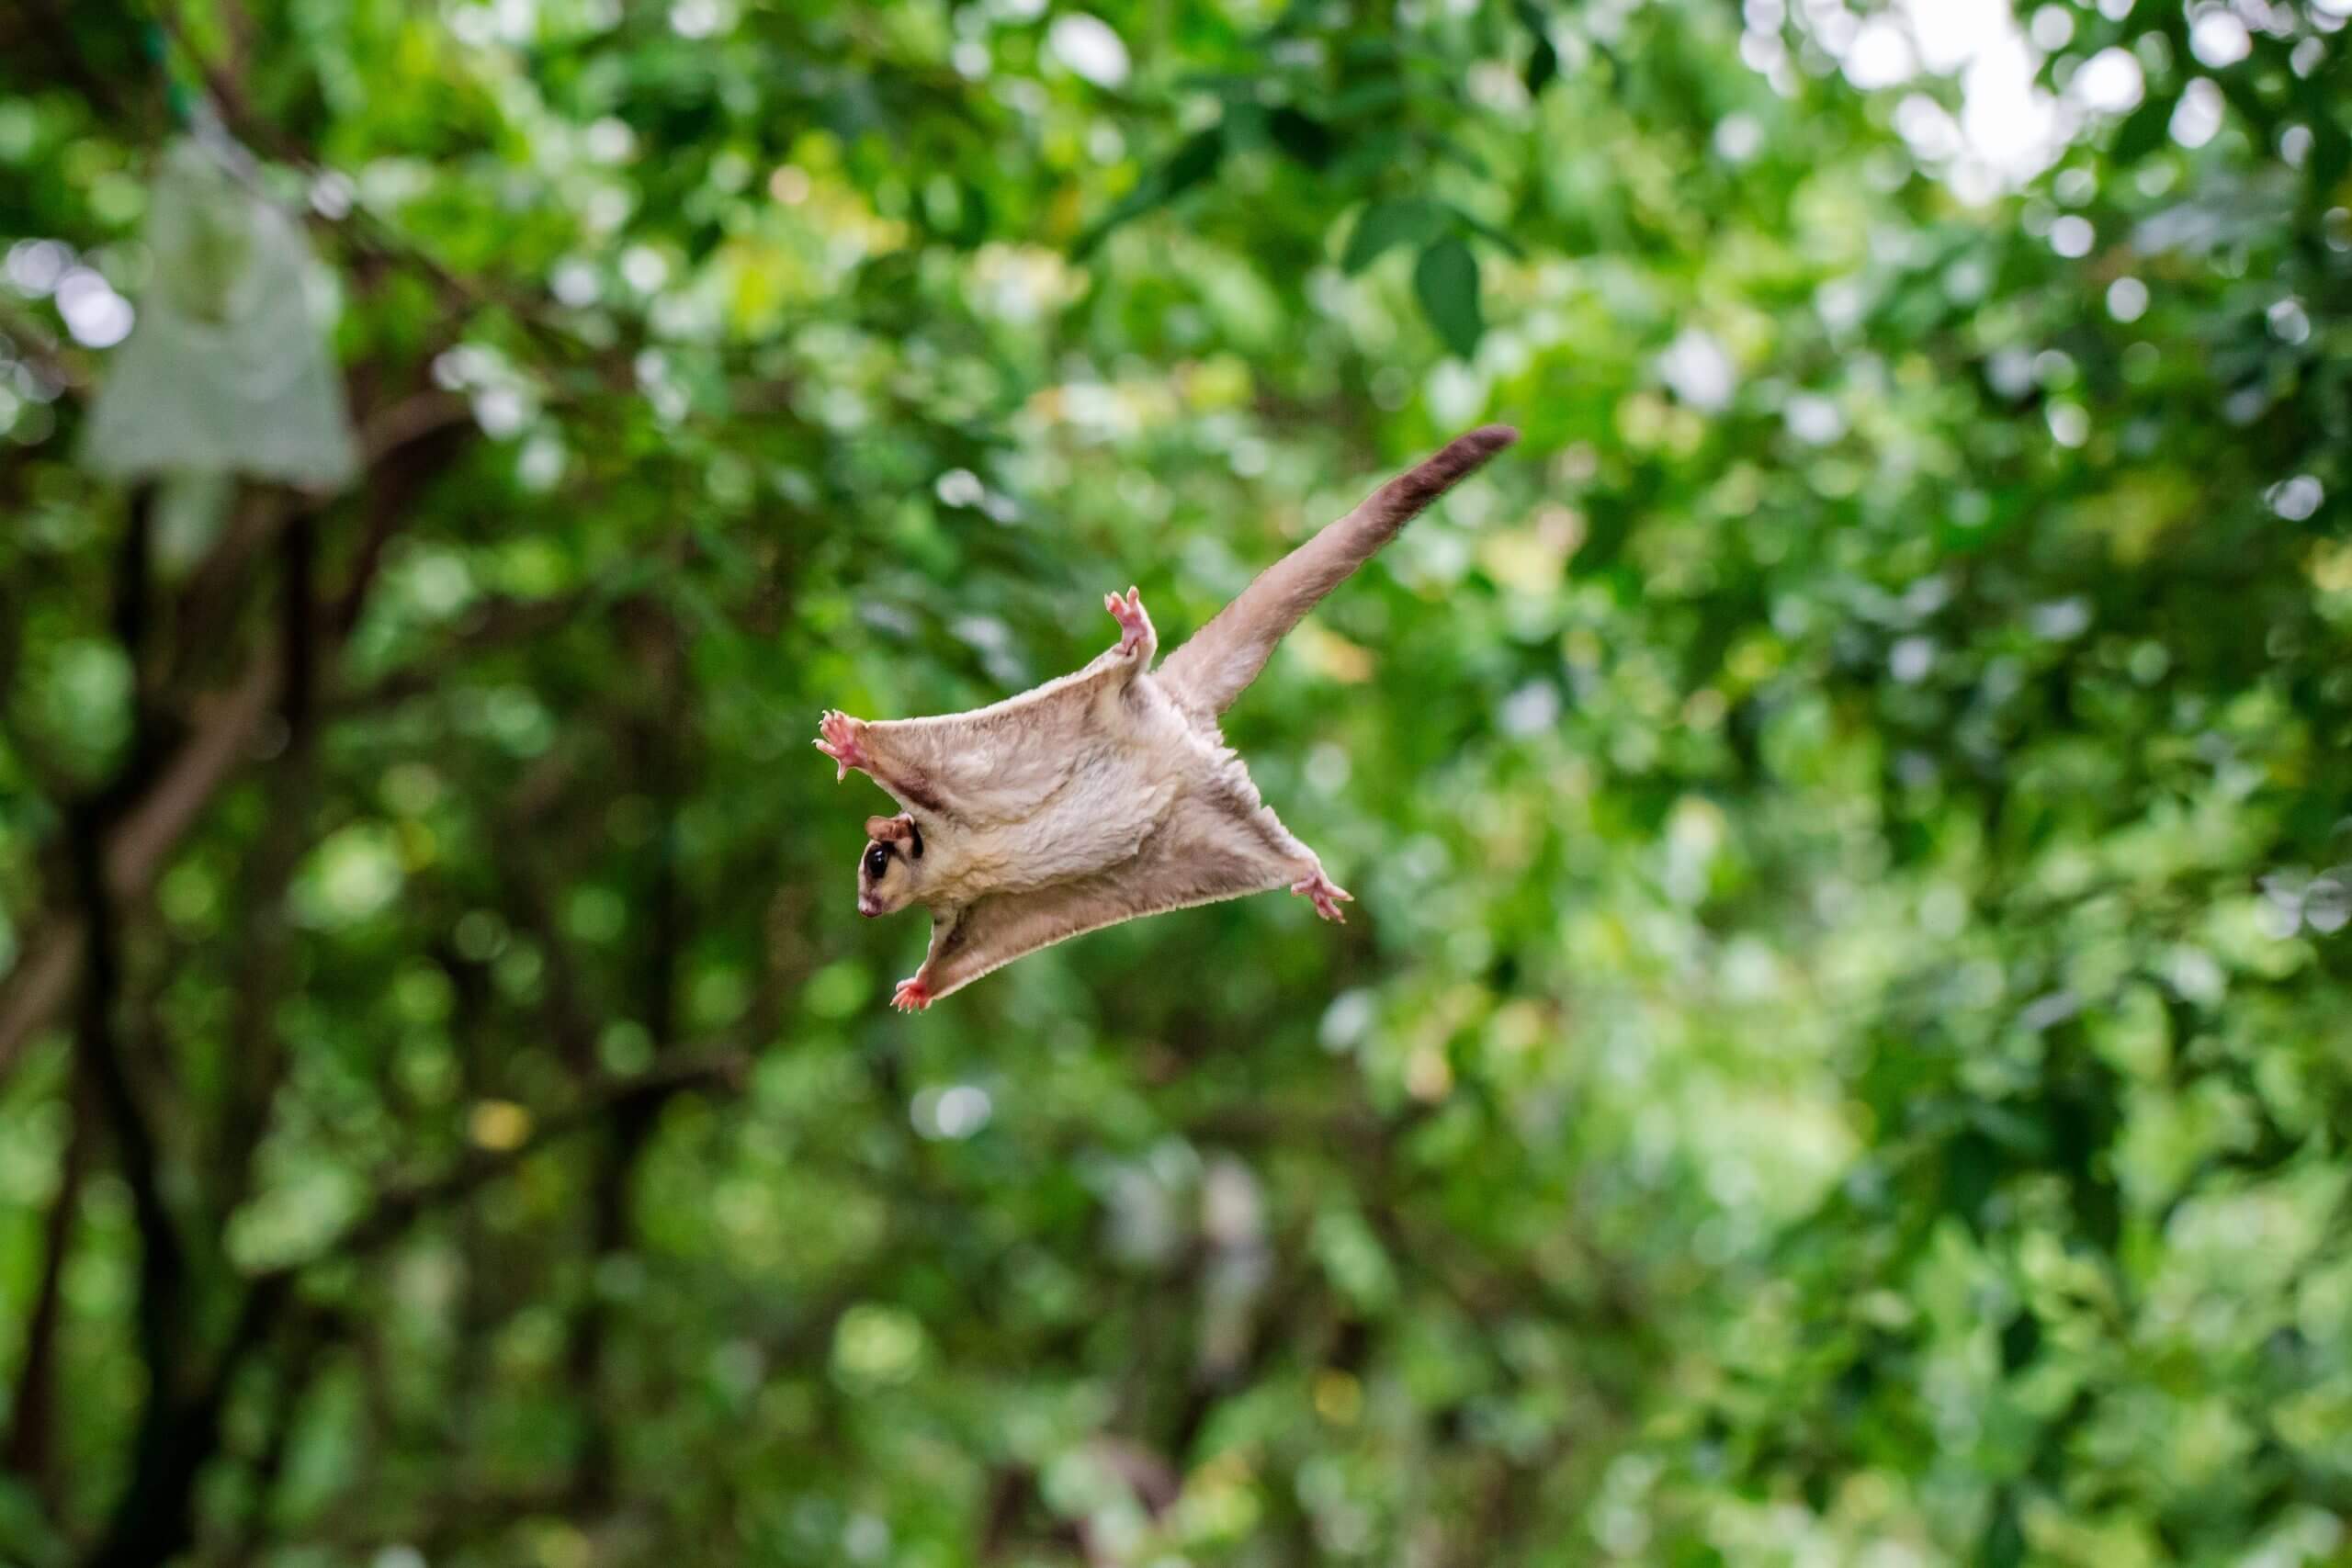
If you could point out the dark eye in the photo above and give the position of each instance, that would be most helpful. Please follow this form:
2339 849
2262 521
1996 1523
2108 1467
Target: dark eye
877 861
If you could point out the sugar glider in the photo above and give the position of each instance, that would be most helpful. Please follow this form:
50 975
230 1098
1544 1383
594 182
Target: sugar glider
1110 793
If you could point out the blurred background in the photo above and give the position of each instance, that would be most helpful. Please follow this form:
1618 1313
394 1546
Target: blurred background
1844 1051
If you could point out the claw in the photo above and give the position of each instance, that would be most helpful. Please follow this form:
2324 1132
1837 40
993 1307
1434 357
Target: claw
1325 894
912 995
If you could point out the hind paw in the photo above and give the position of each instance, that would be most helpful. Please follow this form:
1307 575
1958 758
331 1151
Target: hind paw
912 995
1325 894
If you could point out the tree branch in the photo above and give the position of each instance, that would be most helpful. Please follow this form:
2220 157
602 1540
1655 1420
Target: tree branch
162 1258
162 1261
221 736
154 1520
404 1203
657 741
208 603
258 1057
30 1449
393 489
139 838
497 624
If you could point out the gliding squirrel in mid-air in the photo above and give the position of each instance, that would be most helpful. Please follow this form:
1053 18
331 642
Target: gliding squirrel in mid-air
1110 793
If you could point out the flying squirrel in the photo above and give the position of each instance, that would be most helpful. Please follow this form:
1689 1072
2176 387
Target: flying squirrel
1107 794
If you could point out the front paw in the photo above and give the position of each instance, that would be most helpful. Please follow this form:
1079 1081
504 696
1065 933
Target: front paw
912 996
1135 623
840 736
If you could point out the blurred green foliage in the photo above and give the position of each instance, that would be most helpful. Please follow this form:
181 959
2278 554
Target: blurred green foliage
1845 1052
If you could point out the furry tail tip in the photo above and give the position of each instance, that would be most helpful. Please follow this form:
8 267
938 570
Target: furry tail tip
1415 488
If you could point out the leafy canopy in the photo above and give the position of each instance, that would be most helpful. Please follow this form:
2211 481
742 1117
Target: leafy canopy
1846 1048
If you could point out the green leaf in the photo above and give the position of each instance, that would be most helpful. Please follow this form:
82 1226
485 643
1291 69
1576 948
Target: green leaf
1543 66
1302 136
1191 164
1194 162
2245 97
2143 130
2020 1340
1386 223
1543 62
1367 100
1225 85
2003 1542
1446 279
1500 240
1454 148
2331 155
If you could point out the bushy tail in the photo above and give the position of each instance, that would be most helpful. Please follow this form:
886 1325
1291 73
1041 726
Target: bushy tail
1220 661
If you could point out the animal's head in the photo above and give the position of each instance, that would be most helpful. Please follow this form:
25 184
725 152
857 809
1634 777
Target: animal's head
890 871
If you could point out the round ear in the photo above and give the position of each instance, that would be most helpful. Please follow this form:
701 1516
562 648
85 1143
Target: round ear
890 829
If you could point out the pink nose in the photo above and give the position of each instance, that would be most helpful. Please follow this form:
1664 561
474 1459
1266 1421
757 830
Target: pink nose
866 909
